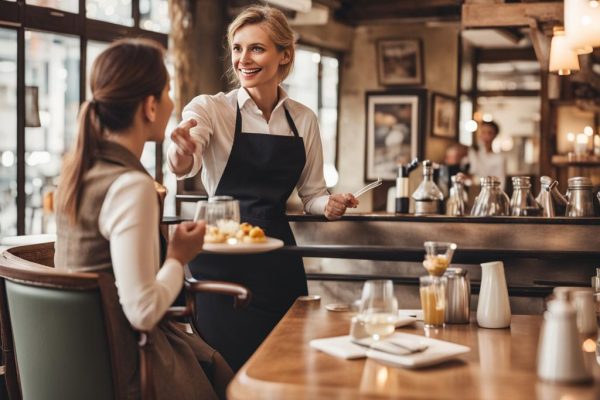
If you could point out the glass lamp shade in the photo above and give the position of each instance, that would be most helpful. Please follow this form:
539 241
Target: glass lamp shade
582 24
563 58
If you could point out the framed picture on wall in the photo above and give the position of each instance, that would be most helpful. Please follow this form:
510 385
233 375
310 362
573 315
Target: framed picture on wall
443 116
395 121
400 62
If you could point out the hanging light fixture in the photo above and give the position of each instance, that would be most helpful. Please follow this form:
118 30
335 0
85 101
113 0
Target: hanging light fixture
582 24
563 59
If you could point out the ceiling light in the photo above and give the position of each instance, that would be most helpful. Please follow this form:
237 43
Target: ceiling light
582 25
563 59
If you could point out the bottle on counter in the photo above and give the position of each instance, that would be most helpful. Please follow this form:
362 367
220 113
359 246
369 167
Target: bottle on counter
457 201
402 188
492 200
428 197
522 203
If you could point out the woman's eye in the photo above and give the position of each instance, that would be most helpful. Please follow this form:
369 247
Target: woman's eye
257 49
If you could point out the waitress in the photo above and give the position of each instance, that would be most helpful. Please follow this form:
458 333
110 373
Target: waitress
254 144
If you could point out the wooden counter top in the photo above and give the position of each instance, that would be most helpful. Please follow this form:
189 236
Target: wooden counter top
501 364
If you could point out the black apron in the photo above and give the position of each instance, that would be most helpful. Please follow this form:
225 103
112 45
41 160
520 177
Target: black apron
261 172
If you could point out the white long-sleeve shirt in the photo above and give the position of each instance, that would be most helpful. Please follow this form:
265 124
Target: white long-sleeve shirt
215 132
129 220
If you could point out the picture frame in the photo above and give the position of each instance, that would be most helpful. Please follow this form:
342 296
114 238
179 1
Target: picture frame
394 124
400 62
444 122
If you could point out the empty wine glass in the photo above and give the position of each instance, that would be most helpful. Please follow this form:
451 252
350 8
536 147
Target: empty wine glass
378 308
222 212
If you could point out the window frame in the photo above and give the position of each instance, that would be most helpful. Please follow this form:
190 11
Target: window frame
21 17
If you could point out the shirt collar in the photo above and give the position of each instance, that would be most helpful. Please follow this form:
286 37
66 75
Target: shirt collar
243 97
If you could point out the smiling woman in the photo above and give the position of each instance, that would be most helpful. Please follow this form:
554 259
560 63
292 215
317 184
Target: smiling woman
256 145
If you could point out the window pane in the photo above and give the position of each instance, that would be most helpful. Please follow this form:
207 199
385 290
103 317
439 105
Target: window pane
115 11
52 98
93 50
65 5
514 75
328 111
303 83
8 132
154 15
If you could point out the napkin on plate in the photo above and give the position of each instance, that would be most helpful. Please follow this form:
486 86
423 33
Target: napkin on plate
437 350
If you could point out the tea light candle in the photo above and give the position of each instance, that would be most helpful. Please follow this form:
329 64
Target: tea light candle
581 143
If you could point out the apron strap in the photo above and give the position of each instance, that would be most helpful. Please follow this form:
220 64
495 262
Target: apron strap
291 122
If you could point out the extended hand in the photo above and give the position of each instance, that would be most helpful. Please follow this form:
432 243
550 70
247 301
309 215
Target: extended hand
338 203
184 144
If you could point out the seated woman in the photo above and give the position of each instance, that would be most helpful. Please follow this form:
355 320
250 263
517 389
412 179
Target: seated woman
108 216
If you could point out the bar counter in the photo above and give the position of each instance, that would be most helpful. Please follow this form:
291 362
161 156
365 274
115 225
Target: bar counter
538 253
501 364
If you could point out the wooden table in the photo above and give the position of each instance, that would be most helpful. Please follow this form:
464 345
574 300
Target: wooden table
501 365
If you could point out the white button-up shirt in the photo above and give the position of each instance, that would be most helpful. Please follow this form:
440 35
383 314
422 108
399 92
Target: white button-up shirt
215 131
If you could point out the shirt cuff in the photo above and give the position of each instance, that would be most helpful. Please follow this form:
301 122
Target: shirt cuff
317 205
171 275
195 164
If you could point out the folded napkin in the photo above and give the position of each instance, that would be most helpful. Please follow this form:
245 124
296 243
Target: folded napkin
437 350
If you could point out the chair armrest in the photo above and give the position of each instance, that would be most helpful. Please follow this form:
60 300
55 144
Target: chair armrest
241 294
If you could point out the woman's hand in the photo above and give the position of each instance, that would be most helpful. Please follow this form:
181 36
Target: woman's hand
184 144
182 158
338 203
187 241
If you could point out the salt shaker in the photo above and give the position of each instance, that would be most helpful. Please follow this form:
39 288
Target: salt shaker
560 358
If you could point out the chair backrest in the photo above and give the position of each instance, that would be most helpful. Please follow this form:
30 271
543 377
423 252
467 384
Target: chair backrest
65 329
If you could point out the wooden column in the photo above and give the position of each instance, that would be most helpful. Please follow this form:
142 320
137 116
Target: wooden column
198 29
198 35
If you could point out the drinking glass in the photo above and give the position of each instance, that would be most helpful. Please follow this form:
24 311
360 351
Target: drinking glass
378 308
222 212
438 256
433 300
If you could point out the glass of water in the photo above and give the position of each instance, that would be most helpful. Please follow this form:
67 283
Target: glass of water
378 308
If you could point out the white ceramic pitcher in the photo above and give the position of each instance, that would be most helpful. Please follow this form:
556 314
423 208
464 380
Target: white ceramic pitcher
493 307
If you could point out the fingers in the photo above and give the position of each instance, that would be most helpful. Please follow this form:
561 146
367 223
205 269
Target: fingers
182 139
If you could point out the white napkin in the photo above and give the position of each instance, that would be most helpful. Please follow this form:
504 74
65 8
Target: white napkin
437 350
340 346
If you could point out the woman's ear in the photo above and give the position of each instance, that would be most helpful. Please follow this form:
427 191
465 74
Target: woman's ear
149 107
286 57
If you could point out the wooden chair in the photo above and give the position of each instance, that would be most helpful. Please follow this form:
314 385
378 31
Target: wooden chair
64 334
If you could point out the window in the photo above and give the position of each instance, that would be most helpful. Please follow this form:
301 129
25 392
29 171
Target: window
314 82
8 131
51 105
42 74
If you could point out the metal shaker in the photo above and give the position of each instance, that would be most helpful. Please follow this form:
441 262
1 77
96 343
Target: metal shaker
580 197
458 296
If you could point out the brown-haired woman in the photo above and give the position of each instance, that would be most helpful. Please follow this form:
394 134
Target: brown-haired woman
257 145
108 216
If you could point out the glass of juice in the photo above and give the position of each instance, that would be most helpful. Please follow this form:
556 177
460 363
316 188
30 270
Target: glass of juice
433 300
378 309
438 256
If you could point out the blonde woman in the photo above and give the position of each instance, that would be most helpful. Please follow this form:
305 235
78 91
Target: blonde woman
255 144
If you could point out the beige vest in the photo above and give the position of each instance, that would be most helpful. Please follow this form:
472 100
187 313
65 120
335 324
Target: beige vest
183 365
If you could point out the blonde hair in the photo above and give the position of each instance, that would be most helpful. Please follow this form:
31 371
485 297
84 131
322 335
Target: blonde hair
277 27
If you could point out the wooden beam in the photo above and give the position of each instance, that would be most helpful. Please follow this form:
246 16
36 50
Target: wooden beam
541 44
513 14
495 55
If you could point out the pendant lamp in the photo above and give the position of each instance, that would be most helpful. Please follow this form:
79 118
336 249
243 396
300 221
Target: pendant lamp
582 24
563 58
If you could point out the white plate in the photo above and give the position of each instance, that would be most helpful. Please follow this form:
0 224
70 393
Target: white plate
437 351
243 248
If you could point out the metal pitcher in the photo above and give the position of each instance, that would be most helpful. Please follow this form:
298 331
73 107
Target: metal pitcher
550 199
458 301
522 202
491 200
580 197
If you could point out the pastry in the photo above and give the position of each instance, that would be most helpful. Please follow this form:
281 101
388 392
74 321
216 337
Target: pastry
214 235
255 235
